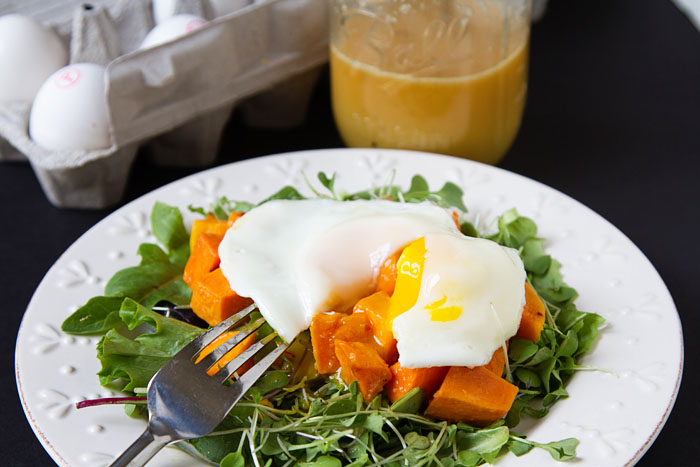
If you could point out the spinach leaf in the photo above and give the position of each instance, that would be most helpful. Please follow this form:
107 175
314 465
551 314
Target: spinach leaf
169 229
159 275
156 278
97 316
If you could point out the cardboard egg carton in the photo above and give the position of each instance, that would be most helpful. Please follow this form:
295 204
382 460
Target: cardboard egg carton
171 101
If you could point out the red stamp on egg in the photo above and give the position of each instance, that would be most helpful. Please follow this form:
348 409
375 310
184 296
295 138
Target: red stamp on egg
67 78
194 24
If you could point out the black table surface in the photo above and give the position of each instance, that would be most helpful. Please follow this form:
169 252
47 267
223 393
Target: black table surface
612 119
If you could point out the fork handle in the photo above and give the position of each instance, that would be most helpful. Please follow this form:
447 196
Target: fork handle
142 450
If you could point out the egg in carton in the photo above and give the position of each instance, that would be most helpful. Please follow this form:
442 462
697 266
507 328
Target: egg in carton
172 99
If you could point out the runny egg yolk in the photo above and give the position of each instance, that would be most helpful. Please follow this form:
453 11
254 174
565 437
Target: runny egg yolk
408 283
409 272
440 311
455 301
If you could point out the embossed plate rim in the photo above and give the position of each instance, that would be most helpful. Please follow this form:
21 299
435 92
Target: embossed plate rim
54 370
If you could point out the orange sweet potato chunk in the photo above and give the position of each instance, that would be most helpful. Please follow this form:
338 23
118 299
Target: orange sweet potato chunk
497 362
230 355
354 327
233 217
323 327
204 257
212 225
213 300
405 379
532 320
376 308
360 362
386 279
472 395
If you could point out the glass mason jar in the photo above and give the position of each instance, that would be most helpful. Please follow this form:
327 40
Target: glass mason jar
446 76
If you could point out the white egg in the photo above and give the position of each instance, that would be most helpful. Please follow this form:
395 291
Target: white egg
299 258
470 301
29 53
172 28
163 9
70 110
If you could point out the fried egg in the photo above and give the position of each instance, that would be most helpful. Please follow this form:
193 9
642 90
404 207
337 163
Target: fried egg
457 299
299 258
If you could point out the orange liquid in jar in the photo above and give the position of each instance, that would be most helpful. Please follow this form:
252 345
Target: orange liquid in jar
466 103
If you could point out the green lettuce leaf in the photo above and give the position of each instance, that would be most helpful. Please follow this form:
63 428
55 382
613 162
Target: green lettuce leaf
157 277
130 359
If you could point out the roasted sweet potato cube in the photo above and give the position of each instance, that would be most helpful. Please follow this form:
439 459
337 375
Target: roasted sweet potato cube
213 300
532 320
354 327
386 279
233 217
472 395
405 379
360 362
323 327
497 362
212 225
376 308
230 355
204 257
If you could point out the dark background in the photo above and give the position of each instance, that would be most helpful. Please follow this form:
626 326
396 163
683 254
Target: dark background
612 120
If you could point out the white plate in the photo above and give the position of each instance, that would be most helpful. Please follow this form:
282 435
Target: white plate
615 414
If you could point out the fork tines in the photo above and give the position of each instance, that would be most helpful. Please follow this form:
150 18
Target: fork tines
230 368
212 359
185 402
196 346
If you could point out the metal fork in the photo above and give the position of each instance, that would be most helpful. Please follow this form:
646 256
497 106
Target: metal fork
184 402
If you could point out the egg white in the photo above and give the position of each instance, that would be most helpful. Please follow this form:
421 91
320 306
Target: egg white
299 258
